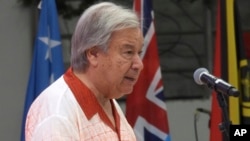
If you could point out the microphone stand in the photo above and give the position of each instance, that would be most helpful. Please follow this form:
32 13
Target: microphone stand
224 126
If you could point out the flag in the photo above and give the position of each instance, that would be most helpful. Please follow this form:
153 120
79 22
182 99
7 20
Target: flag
145 107
230 64
47 63
216 114
245 82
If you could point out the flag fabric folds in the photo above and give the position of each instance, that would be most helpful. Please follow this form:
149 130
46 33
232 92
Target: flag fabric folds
230 64
216 114
145 107
47 63
245 83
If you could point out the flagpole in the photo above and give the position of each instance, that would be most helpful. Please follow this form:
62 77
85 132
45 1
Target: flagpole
224 125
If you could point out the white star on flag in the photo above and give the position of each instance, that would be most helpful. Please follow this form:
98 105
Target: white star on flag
51 44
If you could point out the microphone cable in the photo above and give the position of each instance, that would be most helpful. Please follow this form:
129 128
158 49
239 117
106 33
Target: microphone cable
196 117
196 114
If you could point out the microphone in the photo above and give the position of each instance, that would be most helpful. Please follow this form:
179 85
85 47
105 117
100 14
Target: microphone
202 77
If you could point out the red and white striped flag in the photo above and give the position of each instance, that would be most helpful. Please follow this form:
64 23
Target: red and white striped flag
145 107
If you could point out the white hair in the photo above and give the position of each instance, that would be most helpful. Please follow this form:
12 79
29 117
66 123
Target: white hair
94 28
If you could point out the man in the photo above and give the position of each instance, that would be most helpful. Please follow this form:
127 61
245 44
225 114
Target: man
105 65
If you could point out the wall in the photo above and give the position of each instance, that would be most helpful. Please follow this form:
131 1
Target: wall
15 55
181 120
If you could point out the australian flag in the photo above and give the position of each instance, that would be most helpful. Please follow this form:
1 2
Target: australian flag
47 64
145 107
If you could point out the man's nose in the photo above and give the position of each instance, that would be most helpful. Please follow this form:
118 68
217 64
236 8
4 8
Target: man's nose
137 63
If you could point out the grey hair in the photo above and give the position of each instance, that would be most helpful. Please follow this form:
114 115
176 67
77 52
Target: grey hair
94 29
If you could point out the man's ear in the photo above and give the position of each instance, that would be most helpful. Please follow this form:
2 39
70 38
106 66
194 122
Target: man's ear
92 55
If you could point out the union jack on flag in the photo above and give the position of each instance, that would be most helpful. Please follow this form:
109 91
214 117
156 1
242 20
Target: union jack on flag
145 107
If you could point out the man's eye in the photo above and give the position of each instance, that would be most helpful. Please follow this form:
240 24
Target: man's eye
129 52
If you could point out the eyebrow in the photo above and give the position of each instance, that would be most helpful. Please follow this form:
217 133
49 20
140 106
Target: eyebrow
127 46
132 46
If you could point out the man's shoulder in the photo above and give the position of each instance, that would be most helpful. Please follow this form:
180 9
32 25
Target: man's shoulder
54 98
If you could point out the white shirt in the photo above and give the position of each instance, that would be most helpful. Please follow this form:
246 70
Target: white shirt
57 115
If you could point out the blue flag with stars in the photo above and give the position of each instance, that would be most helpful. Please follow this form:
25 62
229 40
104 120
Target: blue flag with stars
47 64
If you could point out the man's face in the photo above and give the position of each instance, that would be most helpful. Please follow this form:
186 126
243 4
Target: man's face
120 67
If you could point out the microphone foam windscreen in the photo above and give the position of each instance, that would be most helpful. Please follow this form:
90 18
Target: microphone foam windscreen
197 75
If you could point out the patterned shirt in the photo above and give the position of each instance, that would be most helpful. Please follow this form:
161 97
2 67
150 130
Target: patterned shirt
68 111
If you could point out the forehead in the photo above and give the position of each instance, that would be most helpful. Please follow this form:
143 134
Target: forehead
128 36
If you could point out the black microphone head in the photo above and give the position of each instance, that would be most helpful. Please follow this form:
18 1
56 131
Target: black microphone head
197 75
233 92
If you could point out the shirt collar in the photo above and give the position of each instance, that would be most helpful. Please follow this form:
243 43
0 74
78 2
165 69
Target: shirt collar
87 100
